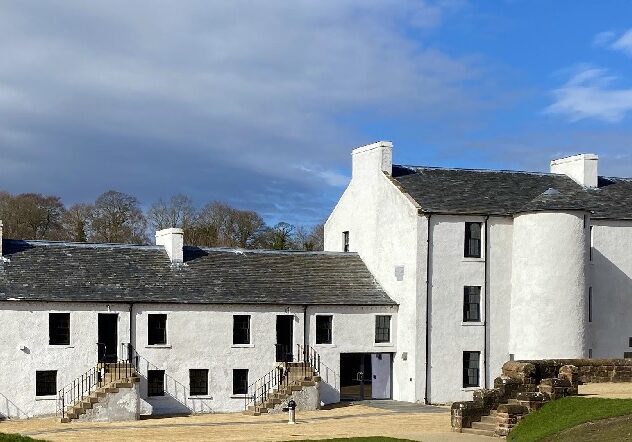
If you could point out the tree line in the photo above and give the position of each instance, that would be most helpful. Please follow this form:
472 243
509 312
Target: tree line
116 217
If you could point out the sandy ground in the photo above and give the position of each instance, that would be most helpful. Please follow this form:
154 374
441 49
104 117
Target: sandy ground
607 390
355 420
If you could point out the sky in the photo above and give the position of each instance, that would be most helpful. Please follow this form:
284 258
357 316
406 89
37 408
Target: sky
259 103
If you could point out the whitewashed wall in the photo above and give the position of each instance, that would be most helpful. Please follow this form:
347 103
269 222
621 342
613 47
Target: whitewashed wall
25 324
611 280
386 231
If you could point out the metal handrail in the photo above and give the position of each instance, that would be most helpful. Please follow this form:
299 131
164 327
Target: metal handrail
93 379
279 376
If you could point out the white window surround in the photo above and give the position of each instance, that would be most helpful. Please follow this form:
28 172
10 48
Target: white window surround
158 346
390 333
472 324
46 398
242 345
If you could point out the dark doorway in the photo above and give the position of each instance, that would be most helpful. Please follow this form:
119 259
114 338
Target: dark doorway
285 338
108 337
355 376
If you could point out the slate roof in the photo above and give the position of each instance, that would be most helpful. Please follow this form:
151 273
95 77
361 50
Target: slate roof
488 192
52 271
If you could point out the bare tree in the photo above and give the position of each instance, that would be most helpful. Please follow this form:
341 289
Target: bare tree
310 239
177 212
76 222
116 217
31 216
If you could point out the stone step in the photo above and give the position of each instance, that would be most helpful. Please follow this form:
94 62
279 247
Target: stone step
488 419
251 413
484 426
513 402
479 432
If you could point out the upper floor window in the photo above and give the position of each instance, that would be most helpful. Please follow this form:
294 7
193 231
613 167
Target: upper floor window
473 240
198 382
324 329
241 329
471 368
155 382
382 328
59 328
472 304
590 250
46 383
156 329
345 241
240 381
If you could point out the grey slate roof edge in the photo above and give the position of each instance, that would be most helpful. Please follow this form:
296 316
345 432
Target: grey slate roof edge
176 301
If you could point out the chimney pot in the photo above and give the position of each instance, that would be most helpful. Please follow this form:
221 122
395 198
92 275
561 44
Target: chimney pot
173 241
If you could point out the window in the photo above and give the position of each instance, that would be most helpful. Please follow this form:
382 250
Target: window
630 342
198 382
471 364
240 381
157 329
323 329
241 329
472 240
345 241
590 353
155 382
46 383
382 329
591 244
627 355
59 328
471 304
589 304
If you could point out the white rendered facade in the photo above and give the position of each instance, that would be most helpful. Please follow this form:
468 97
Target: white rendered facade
535 272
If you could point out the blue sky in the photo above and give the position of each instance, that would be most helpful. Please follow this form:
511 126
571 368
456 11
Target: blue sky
260 103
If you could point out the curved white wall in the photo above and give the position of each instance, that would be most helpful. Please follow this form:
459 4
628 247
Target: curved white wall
548 286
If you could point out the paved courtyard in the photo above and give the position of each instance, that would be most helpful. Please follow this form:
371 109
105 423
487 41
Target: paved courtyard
393 419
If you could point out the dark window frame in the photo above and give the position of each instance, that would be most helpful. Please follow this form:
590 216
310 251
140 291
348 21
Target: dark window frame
155 383
382 329
240 381
471 369
45 382
198 382
472 303
241 330
157 329
59 329
345 241
472 246
324 329
590 304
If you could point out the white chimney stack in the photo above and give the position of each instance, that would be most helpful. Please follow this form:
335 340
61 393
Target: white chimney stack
371 159
581 168
173 241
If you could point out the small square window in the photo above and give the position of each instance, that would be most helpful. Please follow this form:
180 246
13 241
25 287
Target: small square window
241 329
324 329
630 342
471 368
59 328
198 382
473 240
156 329
627 355
382 328
155 382
590 296
345 241
472 304
240 381
46 383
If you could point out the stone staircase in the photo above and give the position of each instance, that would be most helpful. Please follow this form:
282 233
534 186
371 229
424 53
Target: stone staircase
297 376
485 427
94 387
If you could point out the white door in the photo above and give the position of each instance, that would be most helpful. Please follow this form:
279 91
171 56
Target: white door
381 369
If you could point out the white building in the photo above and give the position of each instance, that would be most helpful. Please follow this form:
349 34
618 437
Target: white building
433 278
487 266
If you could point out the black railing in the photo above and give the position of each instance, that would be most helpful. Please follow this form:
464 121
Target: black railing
99 376
279 377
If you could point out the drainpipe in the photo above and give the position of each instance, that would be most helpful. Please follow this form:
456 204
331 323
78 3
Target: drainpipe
132 328
428 288
485 288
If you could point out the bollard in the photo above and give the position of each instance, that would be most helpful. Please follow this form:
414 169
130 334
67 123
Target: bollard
291 405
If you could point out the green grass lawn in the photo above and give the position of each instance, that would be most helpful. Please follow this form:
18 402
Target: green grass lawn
565 413
16 438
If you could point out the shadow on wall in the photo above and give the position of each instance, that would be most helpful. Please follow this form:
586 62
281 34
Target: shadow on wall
8 410
175 400
611 307
329 385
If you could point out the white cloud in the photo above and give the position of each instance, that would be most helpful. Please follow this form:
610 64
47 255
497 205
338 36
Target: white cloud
624 43
590 94
603 38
